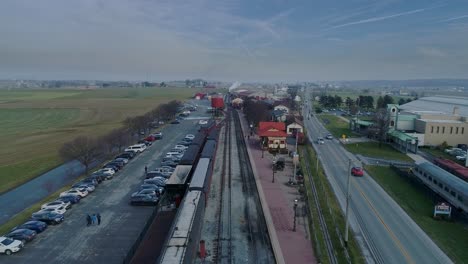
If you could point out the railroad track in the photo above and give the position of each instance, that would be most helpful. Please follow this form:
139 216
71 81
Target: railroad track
256 226
322 222
223 247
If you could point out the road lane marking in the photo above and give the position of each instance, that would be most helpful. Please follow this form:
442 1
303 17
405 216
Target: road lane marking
392 235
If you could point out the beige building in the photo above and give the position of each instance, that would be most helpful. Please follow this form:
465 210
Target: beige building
430 121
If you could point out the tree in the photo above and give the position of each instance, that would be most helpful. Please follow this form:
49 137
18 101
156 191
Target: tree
338 101
349 102
401 101
387 100
256 111
83 148
117 138
381 122
380 103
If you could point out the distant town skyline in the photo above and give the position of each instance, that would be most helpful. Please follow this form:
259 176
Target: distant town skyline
256 40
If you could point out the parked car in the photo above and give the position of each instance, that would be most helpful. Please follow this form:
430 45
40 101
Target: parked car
9 246
111 166
119 164
150 138
107 170
146 192
181 147
48 217
180 151
158 135
23 235
159 189
126 155
171 163
152 174
143 199
137 148
461 157
87 187
146 142
70 198
190 136
184 143
124 160
175 122
357 171
80 192
57 204
57 210
37 226
155 181
320 141
99 176
203 122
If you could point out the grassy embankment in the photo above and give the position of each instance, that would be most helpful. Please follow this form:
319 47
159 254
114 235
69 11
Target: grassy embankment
418 202
35 123
336 125
331 210
372 149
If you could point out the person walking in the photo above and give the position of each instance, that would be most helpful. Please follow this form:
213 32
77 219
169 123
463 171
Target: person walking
94 219
88 220
98 218
146 169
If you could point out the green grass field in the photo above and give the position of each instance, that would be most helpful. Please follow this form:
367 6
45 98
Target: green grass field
372 150
35 123
450 236
336 125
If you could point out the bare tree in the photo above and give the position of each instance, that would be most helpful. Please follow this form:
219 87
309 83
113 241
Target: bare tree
83 148
381 121
118 138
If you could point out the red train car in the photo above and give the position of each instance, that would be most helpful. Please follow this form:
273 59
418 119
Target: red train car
217 102
452 167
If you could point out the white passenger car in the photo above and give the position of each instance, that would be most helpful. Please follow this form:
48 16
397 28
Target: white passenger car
8 245
137 148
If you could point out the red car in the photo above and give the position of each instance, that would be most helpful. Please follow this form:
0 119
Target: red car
357 171
150 138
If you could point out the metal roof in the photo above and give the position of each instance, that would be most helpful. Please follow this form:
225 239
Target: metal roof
177 245
443 104
190 155
199 176
446 177
179 176
401 135
209 149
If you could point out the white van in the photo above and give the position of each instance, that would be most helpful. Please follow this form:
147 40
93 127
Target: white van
9 245
137 148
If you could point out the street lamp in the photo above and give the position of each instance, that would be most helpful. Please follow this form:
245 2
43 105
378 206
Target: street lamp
295 214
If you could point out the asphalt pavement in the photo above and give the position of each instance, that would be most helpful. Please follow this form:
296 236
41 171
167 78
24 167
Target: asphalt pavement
385 232
74 242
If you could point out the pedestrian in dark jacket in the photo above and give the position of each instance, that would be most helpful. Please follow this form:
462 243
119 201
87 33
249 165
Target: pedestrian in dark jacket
88 220
98 218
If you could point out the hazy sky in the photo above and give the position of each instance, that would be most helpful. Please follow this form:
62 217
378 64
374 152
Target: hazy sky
245 40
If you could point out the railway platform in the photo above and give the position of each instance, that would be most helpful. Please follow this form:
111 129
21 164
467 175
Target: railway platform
295 246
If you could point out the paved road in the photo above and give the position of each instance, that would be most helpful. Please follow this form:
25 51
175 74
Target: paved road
73 242
390 234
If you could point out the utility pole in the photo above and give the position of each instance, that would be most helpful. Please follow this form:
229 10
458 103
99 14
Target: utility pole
347 204
294 161
295 214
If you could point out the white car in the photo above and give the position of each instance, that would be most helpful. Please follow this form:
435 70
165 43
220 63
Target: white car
137 148
8 245
320 141
107 171
190 136
89 188
181 147
56 204
79 192
203 122
461 157
60 210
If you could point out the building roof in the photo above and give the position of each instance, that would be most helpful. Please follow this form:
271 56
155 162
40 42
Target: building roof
278 113
296 121
444 104
267 125
401 135
272 129
442 121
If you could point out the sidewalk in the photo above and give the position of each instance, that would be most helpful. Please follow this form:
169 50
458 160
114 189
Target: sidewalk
295 246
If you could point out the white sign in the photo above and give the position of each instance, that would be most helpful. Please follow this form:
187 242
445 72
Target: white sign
442 209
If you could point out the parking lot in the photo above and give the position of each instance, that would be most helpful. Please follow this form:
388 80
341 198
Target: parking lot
73 242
